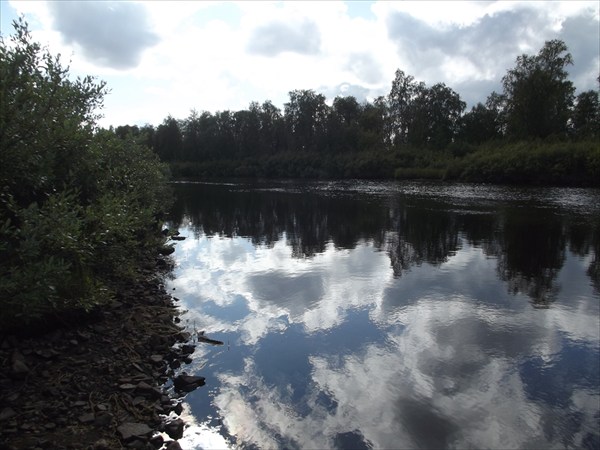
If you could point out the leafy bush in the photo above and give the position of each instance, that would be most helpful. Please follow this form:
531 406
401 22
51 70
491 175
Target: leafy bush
78 206
539 162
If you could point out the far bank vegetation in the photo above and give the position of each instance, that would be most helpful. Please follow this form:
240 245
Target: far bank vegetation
537 130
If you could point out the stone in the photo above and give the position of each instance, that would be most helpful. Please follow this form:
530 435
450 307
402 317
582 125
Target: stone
157 441
18 368
87 418
178 408
173 445
102 444
188 349
178 238
148 390
166 250
187 383
103 420
7 413
133 430
174 429
156 359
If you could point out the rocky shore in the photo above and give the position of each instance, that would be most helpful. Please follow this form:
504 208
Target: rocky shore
106 381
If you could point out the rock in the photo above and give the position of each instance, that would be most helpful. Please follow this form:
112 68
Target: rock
178 238
188 349
140 444
174 429
148 390
178 408
18 368
173 445
187 383
101 444
138 400
7 413
156 359
157 441
46 353
167 250
87 418
103 420
133 430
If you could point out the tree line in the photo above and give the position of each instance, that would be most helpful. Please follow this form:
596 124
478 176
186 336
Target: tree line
414 126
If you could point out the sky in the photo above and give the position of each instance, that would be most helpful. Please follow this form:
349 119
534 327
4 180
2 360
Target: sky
168 58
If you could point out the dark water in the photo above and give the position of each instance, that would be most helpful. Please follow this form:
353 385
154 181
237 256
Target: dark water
386 315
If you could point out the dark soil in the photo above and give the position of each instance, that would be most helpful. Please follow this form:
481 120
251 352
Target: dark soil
98 383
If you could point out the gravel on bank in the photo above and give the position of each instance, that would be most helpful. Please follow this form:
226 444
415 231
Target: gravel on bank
99 383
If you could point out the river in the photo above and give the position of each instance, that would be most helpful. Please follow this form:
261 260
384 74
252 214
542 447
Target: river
390 315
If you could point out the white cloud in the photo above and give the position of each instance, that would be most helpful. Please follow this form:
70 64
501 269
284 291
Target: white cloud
201 56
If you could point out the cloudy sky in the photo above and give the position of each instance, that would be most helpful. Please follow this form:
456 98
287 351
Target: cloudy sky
162 58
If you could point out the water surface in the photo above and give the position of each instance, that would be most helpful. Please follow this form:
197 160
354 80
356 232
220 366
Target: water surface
387 315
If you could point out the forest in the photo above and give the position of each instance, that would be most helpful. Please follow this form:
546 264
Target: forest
535 131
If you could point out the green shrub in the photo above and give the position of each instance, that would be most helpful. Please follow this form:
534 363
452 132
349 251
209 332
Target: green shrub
79 206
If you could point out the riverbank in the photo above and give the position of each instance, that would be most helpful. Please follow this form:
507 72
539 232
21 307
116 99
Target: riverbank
538 163
98 382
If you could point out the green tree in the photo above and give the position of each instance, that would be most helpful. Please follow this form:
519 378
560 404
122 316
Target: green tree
78 205
169 140
444 109
538 94
272 128
586 115
305 117
343 125
401 107
45 119
247 131
372 125
225 139
190 130
481 124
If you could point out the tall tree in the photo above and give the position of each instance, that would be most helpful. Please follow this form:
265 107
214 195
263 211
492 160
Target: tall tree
538 94
343 125
305 116
225 142
586 114
485 122
372 122
191 139
169 140
446 111
247 130
271 128
401 101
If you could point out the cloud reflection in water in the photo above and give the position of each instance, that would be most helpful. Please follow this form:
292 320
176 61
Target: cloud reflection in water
453 367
